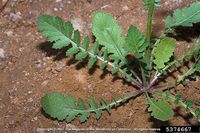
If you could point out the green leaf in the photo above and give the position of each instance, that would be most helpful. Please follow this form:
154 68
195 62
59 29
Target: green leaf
93 56
197 66
109 34
86 42
56 31
104 104
194 51
197 112
103 65
55 104
81 106
68 27
72 51
164 51
82 55
160 109
189 103
147 3
115 70
177 99
184 17
92 61
70 101
71 117
135 42
94 106
167 94
159 93
77 37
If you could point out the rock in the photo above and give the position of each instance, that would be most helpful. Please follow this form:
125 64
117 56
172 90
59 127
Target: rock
38 63
9 33
55 9
2 54
125 8
29 92
79 24
58 1
105 6
35 119
45 83
15 16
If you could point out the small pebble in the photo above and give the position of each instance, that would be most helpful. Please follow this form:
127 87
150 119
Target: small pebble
58 1
9 33
3 54
38 63
125 8
55 9
15 16
45 83
29 92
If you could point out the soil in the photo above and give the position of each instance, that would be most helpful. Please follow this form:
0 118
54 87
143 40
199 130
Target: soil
30 68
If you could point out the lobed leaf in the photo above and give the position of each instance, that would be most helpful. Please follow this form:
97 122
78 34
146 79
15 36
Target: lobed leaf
189 103
77 37
60 34
109 34
177 99
56 30
94 106
135 42
72 51
184 17
160 109
66 108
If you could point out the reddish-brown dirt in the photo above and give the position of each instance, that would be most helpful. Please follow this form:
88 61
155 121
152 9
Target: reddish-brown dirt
29 68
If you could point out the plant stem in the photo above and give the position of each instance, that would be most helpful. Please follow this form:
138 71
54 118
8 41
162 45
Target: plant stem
184 76
135 82
152 54
113 103
136 76
185 106
163 71
149 20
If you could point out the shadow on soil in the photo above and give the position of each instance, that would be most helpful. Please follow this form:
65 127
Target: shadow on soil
59 54
181 34
186 33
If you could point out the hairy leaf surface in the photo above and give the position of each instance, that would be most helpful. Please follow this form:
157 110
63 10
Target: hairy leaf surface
164 51
65 107
109 34
160 109
184 17
56 30
135 42
55 105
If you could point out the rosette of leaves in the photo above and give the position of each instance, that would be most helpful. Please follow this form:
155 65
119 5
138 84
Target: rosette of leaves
111 48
